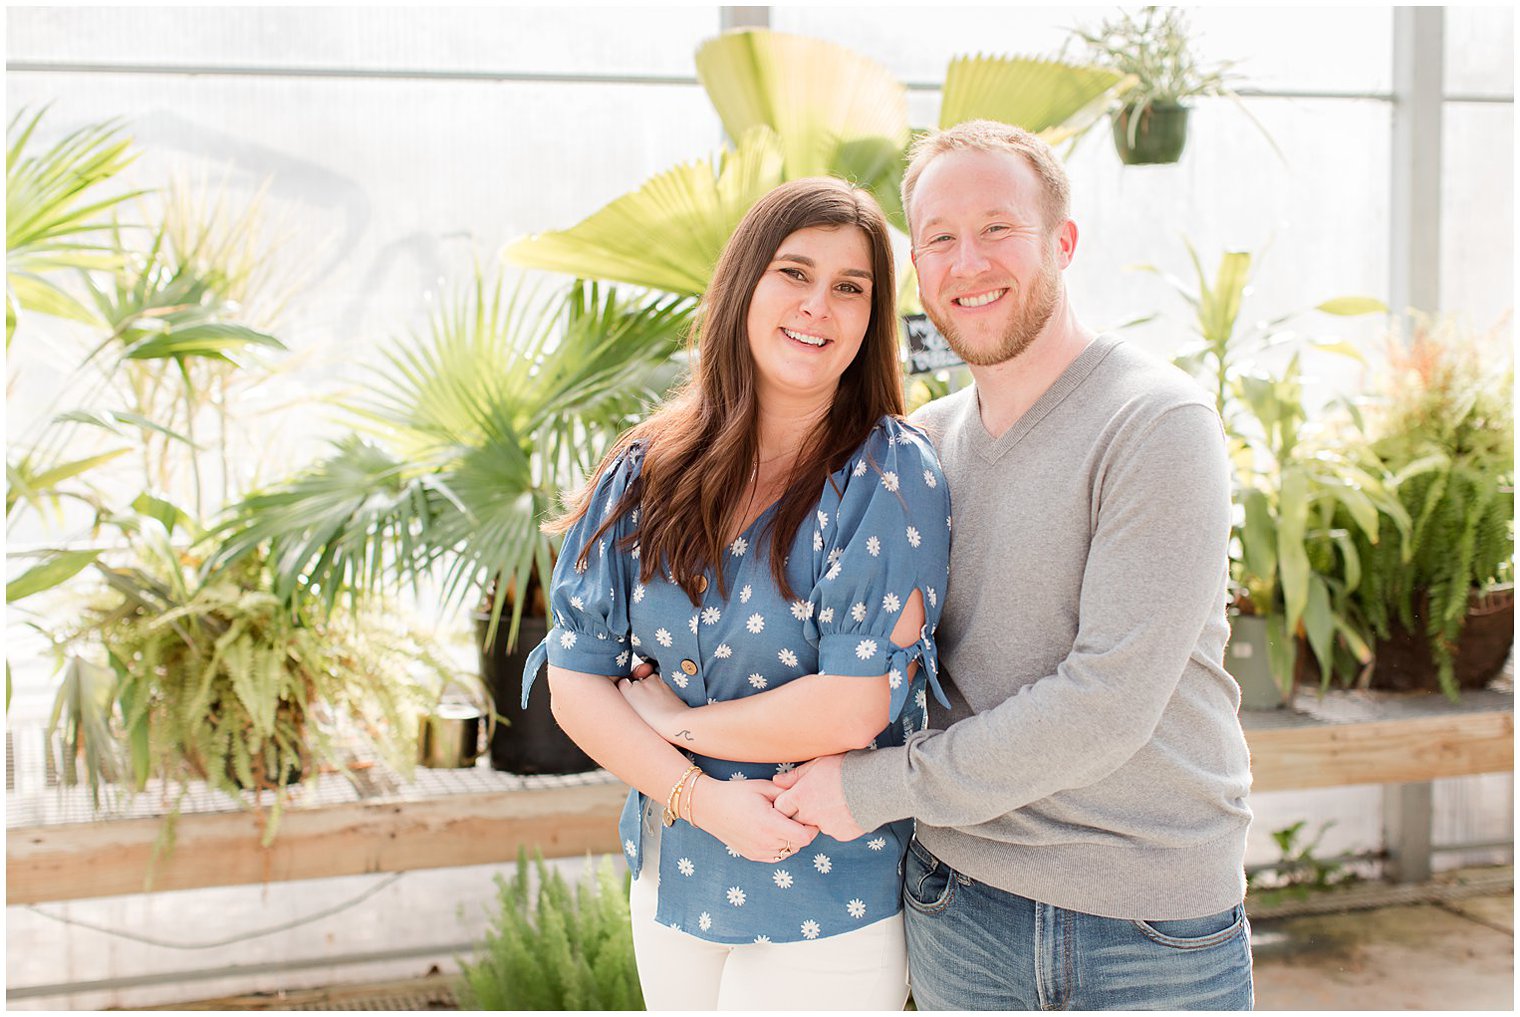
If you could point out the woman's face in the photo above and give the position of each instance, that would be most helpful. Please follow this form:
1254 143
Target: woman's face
809 312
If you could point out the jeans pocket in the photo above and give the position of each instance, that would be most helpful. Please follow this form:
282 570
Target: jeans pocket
1196 933
928 883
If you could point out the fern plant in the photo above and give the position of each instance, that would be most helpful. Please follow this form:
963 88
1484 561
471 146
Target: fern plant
178 674
1444 426
556 948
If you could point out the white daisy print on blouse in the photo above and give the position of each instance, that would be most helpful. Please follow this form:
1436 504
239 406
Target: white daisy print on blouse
933 598
758 680
857 611
724 651
827 614
731 852
567 639
782 879
761 940
580 567
755 623
823 519
633 638
856 908
860 469
737 776
834 570
693 624
921 699
629 848
929 480
890 603
623 658
835 554
802 610
736 896
914 539
638 594
679 677
710 615
889 481
744 594
577 603
894 678
877 843
787 657
905 438
704 921
822 863
662 636
685 867
873 546
810 929
866 649
634 553
738 547
817 541
785 767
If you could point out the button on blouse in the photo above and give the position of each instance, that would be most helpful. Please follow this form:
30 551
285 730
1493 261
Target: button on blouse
880 530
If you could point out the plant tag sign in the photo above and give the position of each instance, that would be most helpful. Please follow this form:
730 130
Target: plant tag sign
927 349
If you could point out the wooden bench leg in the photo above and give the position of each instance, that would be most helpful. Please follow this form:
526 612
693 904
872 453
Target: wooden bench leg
1407 816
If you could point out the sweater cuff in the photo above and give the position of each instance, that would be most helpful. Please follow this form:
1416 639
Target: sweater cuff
875 786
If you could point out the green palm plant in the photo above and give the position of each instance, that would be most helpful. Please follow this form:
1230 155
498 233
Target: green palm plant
798 107
473 431
55 204
1308 505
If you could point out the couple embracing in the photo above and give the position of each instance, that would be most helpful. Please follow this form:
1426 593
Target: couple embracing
765 584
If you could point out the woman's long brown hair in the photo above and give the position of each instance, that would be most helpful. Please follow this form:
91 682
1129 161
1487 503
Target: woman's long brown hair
701 447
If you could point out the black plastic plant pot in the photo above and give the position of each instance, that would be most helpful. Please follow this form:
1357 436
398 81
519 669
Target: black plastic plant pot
530 741
1159 135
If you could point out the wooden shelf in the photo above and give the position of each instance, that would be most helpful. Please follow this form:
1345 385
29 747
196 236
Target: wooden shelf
480 817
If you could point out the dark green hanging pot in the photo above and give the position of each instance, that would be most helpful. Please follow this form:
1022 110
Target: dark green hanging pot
1159 134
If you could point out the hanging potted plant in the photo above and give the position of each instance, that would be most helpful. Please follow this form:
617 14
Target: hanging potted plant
1154 50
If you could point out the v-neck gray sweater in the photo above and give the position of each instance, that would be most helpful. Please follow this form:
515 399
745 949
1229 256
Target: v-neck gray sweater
1091 757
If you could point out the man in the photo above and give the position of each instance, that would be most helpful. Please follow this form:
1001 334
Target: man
1080 810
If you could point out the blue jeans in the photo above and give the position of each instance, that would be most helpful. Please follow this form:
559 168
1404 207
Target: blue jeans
974 947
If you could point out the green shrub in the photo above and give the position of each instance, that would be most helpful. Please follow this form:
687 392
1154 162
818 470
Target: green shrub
558 949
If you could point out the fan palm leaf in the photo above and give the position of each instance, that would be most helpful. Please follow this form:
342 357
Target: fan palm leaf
1042 96
53 208
668 234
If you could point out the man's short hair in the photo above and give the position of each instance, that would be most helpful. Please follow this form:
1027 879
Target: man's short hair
991 136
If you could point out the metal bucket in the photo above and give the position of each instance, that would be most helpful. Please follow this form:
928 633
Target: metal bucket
450 737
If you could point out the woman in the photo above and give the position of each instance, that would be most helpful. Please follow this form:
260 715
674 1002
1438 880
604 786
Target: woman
775 541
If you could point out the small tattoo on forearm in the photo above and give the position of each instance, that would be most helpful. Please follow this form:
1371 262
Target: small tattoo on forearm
685 734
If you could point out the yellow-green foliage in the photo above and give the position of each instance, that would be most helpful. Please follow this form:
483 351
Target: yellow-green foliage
216 681
557 949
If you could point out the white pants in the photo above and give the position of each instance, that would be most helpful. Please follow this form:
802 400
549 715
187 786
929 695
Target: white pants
862 970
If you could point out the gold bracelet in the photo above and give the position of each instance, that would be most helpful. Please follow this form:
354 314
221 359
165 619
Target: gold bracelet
672 800
691 802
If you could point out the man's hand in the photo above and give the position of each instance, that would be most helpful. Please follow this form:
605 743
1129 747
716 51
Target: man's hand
814 794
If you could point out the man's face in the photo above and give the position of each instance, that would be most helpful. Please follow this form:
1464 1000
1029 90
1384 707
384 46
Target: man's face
989 272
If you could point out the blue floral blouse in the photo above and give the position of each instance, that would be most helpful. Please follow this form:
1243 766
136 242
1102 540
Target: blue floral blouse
881 528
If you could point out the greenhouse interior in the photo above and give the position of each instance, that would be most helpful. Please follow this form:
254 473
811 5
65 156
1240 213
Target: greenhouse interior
315 316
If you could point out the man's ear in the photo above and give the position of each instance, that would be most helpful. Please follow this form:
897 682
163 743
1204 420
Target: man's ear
1066 242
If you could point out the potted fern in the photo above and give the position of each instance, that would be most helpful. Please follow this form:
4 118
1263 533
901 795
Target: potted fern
180 675
1441 598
